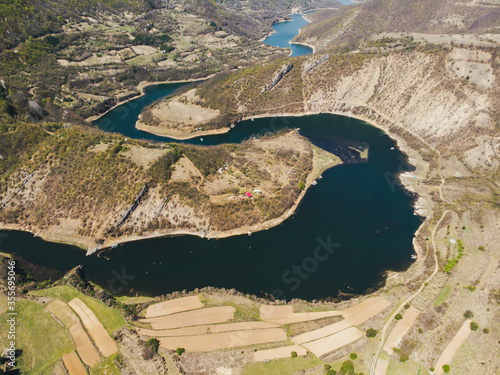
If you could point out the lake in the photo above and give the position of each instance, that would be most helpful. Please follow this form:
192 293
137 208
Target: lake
284 32
350 228
347 232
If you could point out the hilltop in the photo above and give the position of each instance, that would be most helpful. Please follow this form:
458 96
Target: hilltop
85 187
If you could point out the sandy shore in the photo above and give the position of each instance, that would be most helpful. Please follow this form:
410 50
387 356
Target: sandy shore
156 130
141 86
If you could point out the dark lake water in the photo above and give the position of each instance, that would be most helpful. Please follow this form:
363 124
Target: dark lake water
350 228
286 31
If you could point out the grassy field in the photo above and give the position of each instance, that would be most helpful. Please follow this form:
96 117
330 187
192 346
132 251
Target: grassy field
408 367
133 300
443 296
35 328
283 366
110 318
106 367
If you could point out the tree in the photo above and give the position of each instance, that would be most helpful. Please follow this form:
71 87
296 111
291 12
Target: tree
446 369
398 317
346 367
474 326
294 354
353 356
468 314
179 351
370 332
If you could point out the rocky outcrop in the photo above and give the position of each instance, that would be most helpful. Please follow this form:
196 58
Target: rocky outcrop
314 62
278 76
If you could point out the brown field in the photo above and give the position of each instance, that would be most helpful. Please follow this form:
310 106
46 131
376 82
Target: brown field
103 341
209 315
73 364
173 306
328 344
401 329
143 156
285 314
275 312
84 346
452 347
381 368
179 116
353 316
216 341
278 353
305 317
200 330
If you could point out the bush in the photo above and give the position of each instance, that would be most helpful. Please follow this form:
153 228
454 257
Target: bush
346 367
420 330
468 314
404 358
353 356
153 343
331 372
446 369
294 354
370 332
486 330
474 326
398 317
179 351
407 306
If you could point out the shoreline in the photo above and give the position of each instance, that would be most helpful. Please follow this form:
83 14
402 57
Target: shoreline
268 224
90 248
141 86
400 143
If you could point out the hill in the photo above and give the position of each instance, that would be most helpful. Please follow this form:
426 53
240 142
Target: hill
351 27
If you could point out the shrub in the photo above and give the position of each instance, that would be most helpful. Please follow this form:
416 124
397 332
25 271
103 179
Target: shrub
474 326
370 332
468 314
486 330
331 372
153 343
420 330
398 317
407 306
403 358
179 351
446 369
353 356
346 367
294 354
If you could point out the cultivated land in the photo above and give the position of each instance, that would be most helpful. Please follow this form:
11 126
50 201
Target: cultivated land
73 364
101 338
426 72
